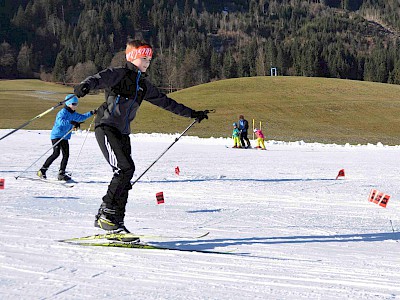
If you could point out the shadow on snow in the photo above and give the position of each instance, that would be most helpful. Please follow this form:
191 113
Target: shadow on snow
301 239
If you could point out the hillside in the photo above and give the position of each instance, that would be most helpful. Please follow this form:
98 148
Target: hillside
64 41
290 108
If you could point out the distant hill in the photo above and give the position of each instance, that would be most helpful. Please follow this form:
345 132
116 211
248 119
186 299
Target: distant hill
202 41
290 108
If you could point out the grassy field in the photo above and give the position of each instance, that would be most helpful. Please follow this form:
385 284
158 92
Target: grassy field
290 108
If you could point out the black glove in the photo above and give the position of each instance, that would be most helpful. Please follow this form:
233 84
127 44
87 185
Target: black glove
199 115
77 125
94 111
81 89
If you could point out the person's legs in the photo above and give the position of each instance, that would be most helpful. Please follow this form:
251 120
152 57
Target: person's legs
246 139
236 142
56 153
64 145
242 135
116 149
258 143
262 143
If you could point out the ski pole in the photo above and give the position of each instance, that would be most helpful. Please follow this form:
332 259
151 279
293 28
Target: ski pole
137 179
19 175
37 117
84 141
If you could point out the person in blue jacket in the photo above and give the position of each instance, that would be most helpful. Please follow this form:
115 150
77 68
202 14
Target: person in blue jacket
66 119
244 127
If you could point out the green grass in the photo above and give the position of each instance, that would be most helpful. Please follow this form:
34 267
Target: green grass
290 108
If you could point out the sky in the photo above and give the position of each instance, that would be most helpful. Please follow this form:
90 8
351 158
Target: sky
288 227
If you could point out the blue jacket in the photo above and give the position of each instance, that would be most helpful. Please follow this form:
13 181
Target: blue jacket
243 125
63 124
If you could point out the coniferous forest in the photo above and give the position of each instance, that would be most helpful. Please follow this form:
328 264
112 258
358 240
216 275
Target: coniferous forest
199 41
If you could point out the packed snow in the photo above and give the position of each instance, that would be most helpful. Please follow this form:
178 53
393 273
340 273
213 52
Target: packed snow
288 227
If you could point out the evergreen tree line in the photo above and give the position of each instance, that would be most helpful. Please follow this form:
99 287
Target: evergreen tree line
200 41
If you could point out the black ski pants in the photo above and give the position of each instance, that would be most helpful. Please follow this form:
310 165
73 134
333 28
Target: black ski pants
63 147
116 148
243 137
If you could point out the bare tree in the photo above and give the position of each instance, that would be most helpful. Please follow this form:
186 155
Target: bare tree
7 60
83 70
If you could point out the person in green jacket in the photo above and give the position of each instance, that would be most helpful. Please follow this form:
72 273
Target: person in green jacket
236 136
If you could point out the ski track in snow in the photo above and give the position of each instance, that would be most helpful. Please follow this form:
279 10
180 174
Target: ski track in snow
294 231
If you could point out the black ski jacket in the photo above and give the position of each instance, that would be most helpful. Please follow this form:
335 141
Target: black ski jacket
125 89
243 125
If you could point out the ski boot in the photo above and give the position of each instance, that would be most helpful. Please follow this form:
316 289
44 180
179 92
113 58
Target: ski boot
63 176
106 219
42 173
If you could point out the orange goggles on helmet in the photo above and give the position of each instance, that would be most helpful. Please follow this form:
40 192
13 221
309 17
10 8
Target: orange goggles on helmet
134 53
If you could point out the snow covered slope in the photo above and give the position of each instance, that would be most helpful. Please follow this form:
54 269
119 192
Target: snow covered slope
294 232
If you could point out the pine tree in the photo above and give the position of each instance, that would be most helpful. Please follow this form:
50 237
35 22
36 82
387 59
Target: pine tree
19 19
229 69
260 62
246 39
60 68
24 62
215 65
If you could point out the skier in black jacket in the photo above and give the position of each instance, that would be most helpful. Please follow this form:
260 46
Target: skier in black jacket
244 128
125 89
